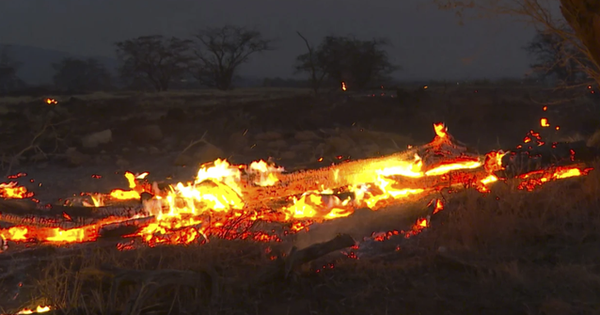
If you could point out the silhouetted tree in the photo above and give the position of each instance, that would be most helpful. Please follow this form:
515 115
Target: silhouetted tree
358 63
579 25
220 51
77 75
155 60
9 81
555 57
312 62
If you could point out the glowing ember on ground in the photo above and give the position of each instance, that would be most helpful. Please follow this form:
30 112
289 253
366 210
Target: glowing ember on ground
544 122
540 177
51 101
39 309
13 191
343 86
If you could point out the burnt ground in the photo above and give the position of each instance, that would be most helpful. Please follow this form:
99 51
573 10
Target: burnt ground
538 260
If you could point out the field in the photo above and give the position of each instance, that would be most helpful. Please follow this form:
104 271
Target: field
506 252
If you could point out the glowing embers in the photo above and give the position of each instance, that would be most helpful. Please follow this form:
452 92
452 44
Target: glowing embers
531 180
57 235
50 101
323 205
264 174
38 309
13 191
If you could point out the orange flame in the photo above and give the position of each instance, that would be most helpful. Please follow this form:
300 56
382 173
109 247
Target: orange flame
441 130
38 309
51 101
544 122
217 201
13 191
343 86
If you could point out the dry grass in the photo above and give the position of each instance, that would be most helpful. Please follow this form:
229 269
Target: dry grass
507 252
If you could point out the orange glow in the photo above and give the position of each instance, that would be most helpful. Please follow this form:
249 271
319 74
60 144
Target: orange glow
38 309
544 122
539 177
440 130
439 206
343 86
266 175
13 191
225 200
51 101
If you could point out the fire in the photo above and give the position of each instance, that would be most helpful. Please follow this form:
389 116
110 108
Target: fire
439 206
53 235
343 86
441 130
540 177
493 161
443 169
267 174
51 101
134 185
13 191
225 200
380 191
86 233
314 204
544 122
38 309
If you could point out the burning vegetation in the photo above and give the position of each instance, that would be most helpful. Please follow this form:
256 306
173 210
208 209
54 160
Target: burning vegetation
226 200
264 204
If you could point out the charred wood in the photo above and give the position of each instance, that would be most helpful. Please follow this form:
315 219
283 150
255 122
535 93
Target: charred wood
533 158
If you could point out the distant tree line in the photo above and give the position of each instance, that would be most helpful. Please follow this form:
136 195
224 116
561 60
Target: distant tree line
212 58
566 50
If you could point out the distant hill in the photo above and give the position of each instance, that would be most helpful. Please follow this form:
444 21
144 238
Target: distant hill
36 63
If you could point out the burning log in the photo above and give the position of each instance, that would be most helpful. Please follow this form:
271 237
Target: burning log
413 168
123 228
221 195
19 212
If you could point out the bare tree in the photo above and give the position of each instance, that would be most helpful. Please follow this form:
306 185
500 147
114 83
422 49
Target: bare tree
77 75
220 52
555 58
156 60
584 17
358 63
579 25
309 62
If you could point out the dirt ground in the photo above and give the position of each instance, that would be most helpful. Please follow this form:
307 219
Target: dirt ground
536 262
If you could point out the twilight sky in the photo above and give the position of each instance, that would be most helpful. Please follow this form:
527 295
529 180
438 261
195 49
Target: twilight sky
427 43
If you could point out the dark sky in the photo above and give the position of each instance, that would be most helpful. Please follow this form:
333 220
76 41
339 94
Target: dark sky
428 43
